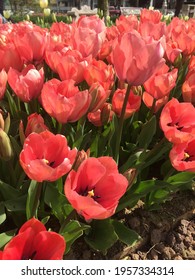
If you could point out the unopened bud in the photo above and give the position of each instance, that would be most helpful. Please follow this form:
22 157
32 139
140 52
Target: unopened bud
81 156
130 175
6 151
43 3
106 113
47 12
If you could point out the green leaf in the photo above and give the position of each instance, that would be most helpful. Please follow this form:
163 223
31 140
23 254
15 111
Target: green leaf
102 235
45 220
147 133
5 237
145 187
126 235
2 213
16 205
57 202
72 231
8 192
181 178
32 199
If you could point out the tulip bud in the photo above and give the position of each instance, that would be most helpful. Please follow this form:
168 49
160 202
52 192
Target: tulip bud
21 133
54 19
47 12
6 151
4 121
7 14
130 175
81 156
106 113
43 3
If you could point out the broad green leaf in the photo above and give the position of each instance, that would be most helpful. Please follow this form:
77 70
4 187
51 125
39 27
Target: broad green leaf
72 231
126 235
5 237
181 178
8 192
147 133
102 235
2 213
16 205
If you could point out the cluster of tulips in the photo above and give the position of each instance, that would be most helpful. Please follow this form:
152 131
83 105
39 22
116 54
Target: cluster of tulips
92 119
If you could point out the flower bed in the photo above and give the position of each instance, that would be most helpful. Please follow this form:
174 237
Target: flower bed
93 120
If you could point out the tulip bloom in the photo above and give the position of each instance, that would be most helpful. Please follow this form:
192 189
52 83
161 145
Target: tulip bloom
182 156
133 104
188 87
34 242
177 120
64 101
3 83
102 116
148 15
95 189
135 59
46 157
27 84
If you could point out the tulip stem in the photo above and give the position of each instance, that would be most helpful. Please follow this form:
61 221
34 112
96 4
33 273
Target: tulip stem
36 199
120 124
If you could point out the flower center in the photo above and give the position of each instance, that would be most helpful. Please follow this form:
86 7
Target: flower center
90 193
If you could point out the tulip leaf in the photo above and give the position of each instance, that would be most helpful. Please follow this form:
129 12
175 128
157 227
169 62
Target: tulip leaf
72 231
32 199
181 178
2 213
16 205
5 237
8 192
126 235
148 131
102 235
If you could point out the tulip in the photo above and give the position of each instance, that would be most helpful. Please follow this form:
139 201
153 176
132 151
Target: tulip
98 96
47 12
7 14
43 3
95 188
182 156
102 116
64 101
46 157
27 84
188 87
3 83
135 59
6 151
34 242
133 104
177 121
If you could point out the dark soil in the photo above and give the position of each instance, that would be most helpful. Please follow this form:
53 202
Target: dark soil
166 234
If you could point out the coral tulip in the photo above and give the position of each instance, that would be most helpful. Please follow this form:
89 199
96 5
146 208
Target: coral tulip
188 87
135 59
27 84
34 242
95 189
182 156
46 157
177 120
64 101
3 83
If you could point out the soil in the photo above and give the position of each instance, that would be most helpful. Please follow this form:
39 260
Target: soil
166 234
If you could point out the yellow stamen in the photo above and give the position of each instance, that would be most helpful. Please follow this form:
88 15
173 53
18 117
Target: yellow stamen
186 155
91 193
45 161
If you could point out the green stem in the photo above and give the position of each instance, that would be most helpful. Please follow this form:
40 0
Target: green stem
121 121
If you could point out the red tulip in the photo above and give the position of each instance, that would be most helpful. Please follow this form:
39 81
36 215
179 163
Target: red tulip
64 101
35 123
9 57
182 156
162 82
126 23
27 84
95 189
46 157
34 242
133 104
177 120
188 87
148 15
135 59
99 71
3 83
98 96
102 116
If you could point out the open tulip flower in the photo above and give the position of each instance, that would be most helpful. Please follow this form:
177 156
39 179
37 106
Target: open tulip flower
95 188
46 157
34 242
